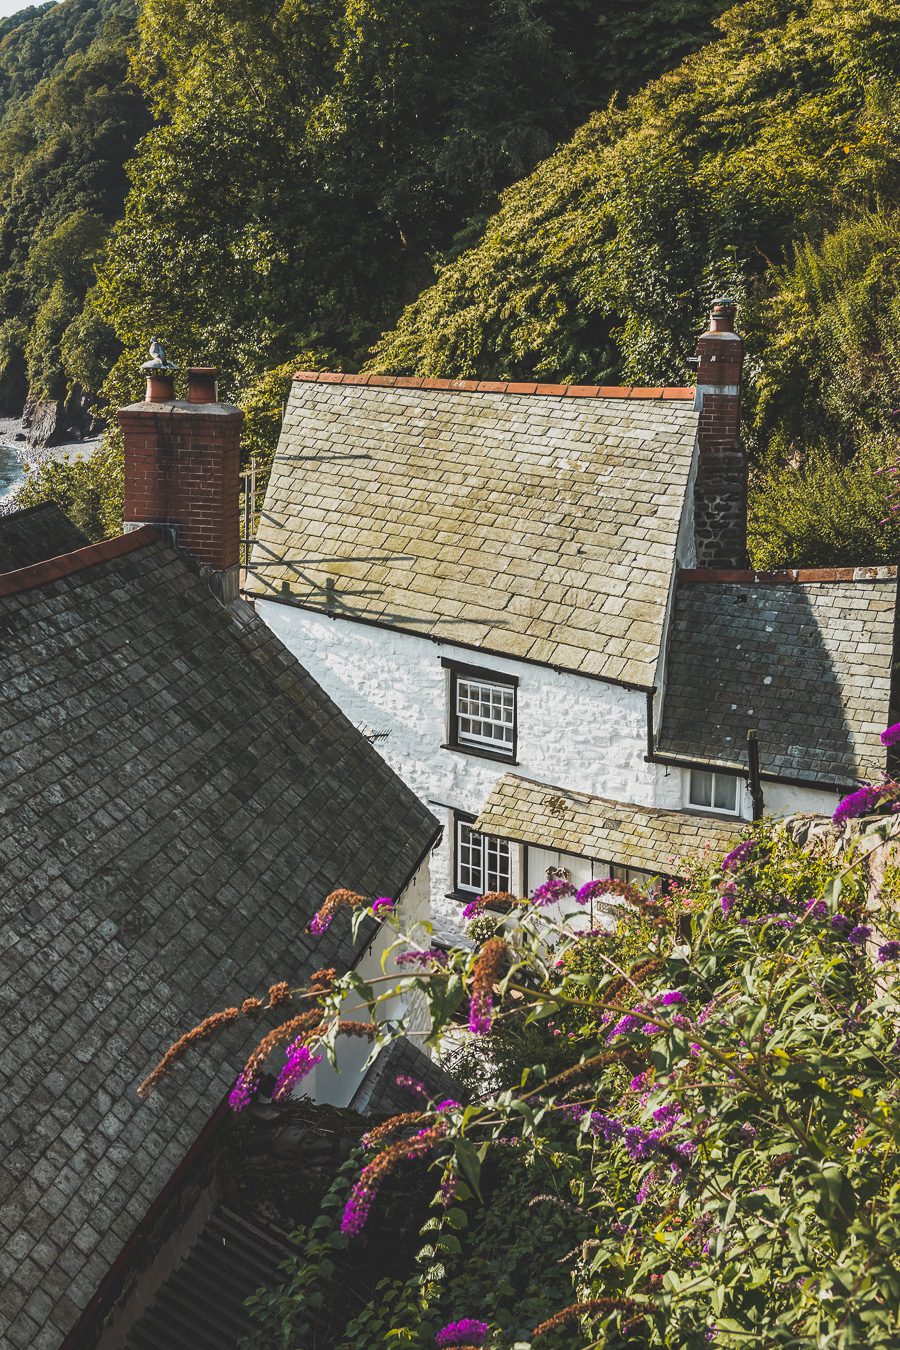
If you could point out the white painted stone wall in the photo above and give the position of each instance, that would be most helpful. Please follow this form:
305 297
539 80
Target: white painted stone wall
573 732
337 1084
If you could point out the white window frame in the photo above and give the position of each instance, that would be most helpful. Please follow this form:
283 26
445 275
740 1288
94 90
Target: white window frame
493 735
710 806
491 851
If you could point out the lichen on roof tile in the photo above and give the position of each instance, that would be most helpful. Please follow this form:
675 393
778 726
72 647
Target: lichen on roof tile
650 839
519 491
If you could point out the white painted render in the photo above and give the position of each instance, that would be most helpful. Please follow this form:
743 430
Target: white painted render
573 732
337 1084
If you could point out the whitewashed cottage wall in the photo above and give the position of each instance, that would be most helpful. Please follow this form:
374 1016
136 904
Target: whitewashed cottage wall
587 735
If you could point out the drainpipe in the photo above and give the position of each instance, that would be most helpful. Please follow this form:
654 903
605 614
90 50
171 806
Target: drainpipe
753 779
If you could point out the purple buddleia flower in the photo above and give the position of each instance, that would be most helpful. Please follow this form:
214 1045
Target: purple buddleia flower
647 1185
605 1127
481 1014
817 909
241 1094
624 1025
889 952
356 1210
670 997
300 1062
667 1115
448 1104
859 935
841 924
732 861
728 896
320 923
859 803
426 956
591 890
383 905
891 735
552 891
467 1331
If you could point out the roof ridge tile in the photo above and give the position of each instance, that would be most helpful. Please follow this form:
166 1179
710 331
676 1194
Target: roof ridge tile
496 386
66 564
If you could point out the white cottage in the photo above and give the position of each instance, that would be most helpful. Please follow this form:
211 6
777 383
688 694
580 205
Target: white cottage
535 597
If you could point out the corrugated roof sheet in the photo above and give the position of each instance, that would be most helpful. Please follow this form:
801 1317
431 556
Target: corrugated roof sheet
595 827
534 526
178 797
808 664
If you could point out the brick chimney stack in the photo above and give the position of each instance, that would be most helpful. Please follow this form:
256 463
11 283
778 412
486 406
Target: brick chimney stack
720 493
182 472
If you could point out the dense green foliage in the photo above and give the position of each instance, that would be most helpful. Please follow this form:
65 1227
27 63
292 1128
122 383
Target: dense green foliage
313 159
312 164
767 165
711 1156
604 260
69 118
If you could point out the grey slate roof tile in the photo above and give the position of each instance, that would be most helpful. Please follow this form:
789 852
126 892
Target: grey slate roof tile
133 902
780 658
35 534
481 518
647 838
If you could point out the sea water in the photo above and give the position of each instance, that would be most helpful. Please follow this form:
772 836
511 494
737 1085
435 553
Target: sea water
10 471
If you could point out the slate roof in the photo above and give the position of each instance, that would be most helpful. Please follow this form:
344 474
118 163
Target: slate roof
532 521
594 827
177 795
36 533
806 662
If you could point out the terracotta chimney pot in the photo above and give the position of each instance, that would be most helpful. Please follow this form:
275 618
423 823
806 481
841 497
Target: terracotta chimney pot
160 387
202 384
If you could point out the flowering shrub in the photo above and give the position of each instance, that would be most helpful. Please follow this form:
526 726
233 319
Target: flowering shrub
716 1140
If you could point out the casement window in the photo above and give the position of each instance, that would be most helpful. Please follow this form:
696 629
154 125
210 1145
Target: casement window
635 876
713 791
481 862
482 713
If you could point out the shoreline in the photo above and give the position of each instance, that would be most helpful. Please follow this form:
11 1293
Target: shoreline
15 454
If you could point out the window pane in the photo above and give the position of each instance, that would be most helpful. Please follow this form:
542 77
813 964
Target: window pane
496 864
701 788
485 714
469 865
725 793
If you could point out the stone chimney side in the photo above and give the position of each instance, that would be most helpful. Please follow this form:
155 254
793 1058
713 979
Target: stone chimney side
720 494
182 473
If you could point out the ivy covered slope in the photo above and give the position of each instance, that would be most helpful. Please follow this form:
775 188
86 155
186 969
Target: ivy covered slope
69 118
311 160
766 165
686 1118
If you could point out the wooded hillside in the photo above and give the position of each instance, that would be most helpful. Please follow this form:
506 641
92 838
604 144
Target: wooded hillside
388 182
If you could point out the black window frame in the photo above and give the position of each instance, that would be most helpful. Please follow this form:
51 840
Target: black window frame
457 670
459 891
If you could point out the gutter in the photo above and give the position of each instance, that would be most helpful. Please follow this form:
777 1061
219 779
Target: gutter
653 756
253 598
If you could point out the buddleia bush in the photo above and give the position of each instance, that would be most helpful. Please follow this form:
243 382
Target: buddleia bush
710 1157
